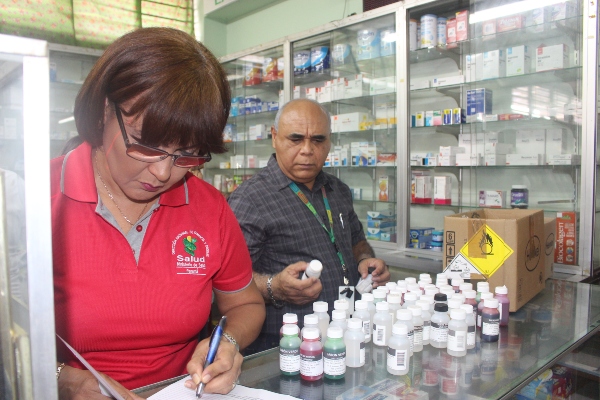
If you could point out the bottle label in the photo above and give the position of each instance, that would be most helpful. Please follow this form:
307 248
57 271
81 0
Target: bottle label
479 320
426 330
367 329
397 359
490 326
334 363
289 359
379 335
457 340
311 365
362 353
439 332
471 335
418 335
411 339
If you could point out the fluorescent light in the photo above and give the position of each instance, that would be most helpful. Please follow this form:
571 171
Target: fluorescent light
65 120
510 9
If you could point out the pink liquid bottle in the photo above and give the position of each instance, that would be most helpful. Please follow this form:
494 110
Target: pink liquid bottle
311 355
503 304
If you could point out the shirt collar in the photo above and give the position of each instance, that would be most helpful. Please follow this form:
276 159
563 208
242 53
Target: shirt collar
281 181
78 181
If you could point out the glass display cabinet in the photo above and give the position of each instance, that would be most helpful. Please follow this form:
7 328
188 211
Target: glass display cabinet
27 343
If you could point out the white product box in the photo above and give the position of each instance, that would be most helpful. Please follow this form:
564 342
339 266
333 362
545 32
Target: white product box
262 162
563 10
339 88
556 141
564 159
451 150
488 28
311 93
518 60
473 67
383 85
251 161
372 152
424 187
536 19
325 93
416 84
357 87
419 119
465 160
385 114
494 159
494 64
356 121
552 57
448 80
498 148
431 161
530 142
356 193
524 159
236 161
299 93
224 165
359 152
492 198
442 190
446 161
256 132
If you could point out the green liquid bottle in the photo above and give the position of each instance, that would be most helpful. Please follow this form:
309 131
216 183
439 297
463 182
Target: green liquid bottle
289 351
334 354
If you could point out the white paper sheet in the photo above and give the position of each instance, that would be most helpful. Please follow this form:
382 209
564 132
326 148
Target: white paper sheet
178 391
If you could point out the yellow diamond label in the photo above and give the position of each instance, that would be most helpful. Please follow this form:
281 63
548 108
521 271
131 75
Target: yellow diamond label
486 251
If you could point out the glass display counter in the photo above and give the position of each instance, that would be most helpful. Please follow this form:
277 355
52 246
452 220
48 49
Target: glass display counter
555 322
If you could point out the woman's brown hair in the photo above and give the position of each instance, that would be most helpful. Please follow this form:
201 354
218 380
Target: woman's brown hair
180 88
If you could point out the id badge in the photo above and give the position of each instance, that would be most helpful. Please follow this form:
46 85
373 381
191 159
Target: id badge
347 293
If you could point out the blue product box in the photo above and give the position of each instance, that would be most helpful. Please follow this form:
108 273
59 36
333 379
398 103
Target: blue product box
420 238
373 233
378 223
479 101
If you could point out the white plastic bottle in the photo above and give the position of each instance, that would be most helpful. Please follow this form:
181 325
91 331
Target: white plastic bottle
363 314
391 285
342 304
288 318
410 279
405 317
454 304
354 338
393 301
379 295
409 299
430 300
439 326
471 323
417 321
313 270
426 316
382 324
441 279
369 298
457 333
398 357
338 318
310 321
320 309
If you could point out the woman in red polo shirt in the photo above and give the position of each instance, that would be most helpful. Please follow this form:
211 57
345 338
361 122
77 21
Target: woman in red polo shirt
139 243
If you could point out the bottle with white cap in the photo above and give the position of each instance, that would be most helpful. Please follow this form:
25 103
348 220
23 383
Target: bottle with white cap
289 350
405 317
503 303
456 282
471 323
369 298
379 295
417 321
425 278
409 299
313 270
410 279
484 295
441 279
431 290
288 318
430 299
320 309
382 324
334 354
466 286
342 304
439 326
363 314
457 333
394 305
338 318
391 285
310 321
460 296
354 338
454 304
426 317
398 357
482 287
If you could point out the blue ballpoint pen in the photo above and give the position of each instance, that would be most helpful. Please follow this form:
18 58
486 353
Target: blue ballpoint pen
213 346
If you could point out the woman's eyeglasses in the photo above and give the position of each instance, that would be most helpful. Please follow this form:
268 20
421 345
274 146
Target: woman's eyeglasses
150 154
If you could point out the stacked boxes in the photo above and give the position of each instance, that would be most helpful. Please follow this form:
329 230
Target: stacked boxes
381 225
420 238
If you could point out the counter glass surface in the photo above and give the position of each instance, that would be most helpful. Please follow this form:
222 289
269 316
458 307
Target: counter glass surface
561 317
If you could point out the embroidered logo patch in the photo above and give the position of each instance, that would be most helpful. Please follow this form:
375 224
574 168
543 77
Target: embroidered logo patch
190 252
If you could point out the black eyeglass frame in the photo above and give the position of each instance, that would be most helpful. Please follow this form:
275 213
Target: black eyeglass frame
201 160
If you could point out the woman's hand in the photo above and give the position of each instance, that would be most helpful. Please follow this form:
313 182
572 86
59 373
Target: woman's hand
78 384
220 376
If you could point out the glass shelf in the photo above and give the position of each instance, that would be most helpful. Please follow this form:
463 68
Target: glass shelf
456 207
522 123
414 167
248 118
368 66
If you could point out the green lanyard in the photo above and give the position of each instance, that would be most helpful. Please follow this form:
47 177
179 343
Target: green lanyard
329 231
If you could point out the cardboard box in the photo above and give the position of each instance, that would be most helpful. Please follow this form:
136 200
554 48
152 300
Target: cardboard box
386 188
492 198
566 238
549 246
473 67
494 64
357 87
383 85
469 160
491 160
462 25
356 121
509 23
416 84
525 159
448 81
552 57
442 190
479 101
502 246
518 60
563 159
556 141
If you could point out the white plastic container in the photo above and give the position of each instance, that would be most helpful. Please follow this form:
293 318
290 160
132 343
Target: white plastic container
310 321
313 270
429 30
471 325
417 321
369 298
426 316
405 317
398 357
441 279
354 339
338 318
320 309
342 304
409 299
382 324
457 333
363 314
379 295
393 301
439 326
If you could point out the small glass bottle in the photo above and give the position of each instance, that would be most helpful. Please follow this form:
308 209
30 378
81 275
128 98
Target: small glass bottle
503 304
311 355
288 318
426 316
310 321
519 196
289 351
457 333
398 357
484 295
417 321
471 325
393 301
354 339
382 324
363 314
439 326
338 318
320 309
490 321
313 270
405 317
334 354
